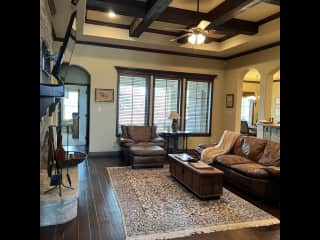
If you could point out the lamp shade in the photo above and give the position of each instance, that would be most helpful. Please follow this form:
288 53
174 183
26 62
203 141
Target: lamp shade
174 115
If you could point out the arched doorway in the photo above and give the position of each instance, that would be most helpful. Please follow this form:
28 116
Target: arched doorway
250 97
75 108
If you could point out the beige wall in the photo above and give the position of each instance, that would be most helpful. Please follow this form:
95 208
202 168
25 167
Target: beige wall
266 62
100 63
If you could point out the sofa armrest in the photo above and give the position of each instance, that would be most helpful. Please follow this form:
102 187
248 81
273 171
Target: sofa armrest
123 141
158 140
206 145
201 147
272 170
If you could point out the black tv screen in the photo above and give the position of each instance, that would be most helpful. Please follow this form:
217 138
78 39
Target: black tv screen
60 67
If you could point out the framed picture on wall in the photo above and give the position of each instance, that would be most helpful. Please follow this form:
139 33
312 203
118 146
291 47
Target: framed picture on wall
104 95
229 100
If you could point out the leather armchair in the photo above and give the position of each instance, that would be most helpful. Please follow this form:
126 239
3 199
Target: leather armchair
138 136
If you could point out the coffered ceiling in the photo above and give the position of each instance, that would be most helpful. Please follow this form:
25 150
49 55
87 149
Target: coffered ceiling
235 25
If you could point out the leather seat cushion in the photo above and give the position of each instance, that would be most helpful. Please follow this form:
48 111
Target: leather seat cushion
251 169
144 144
271 154
147 150
230 159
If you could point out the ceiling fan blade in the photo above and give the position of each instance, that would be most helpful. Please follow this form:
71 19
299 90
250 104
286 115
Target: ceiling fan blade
182 36
177 29
203 24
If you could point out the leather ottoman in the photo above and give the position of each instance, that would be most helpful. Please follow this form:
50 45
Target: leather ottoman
146 156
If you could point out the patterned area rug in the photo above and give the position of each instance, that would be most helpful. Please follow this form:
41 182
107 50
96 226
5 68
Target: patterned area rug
156 206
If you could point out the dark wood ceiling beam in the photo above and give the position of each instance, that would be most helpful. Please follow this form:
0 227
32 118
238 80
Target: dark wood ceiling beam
238 26
171 15
191 18
140 25
227 10
181 16
127 27
275 2
270 18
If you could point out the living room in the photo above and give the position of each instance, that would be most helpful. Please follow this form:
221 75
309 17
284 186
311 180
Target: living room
223 64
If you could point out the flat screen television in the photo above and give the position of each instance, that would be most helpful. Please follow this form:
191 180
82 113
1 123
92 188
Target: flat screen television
60 68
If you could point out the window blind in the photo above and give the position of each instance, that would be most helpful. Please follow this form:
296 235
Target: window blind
198 104
166 100
132 103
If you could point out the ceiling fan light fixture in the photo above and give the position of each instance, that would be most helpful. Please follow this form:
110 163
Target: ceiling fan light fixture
196 38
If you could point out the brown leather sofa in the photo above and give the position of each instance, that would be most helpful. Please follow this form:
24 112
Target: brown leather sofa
141 146
253 165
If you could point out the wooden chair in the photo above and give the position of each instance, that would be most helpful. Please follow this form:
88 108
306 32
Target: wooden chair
245 130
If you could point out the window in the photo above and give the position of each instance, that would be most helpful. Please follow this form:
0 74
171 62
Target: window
136 93
198 106
132 101
70 102
166 100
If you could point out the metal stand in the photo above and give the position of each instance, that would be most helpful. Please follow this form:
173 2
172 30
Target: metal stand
56 180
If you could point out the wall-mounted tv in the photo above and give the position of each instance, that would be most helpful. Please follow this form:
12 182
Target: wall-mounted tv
65 52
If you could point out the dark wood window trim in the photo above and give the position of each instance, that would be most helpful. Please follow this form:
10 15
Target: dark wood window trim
183 78
179 103
210 105
198 76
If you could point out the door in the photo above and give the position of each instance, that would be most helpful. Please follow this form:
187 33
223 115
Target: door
74 111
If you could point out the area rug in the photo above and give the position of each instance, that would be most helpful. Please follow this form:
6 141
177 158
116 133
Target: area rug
155 206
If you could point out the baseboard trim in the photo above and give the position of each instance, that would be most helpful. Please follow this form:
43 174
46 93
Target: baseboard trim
104 154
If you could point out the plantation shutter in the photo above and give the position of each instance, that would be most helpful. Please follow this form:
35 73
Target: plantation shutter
132 103
166 100
198 104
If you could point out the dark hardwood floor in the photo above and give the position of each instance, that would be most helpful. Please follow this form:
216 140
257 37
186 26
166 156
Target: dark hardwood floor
99 217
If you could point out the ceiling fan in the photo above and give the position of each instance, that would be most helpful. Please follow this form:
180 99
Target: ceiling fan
197 34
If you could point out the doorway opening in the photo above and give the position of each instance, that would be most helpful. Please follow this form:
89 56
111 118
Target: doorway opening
250 97
75 110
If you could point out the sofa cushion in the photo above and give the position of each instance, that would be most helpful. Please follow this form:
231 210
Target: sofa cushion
271 154
230 159
140 133
252 148
251 169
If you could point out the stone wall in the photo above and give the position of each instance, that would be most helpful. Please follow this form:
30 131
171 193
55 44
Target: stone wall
47 36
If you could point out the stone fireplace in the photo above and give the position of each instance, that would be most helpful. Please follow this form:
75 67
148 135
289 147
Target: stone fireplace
54 209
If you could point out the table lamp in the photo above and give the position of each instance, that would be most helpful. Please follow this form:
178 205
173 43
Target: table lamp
174 116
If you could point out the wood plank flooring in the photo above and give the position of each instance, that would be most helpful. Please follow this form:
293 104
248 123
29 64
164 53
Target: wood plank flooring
99 216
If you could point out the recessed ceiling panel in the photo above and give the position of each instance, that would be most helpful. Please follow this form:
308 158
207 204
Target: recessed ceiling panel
204 5
258 12
103 17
